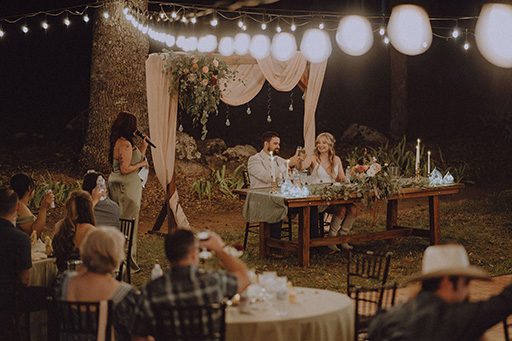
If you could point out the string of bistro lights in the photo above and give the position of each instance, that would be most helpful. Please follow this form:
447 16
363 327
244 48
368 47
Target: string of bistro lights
408 28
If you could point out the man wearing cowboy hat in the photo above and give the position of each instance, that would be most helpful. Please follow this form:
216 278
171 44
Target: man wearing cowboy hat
441 311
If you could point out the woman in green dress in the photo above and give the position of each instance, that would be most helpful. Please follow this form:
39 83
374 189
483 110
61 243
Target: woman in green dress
125 186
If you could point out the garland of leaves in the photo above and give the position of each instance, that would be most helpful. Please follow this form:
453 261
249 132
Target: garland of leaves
197 79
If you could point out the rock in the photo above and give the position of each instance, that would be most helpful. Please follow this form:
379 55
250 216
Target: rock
216 161
211 146
357 133
186 147
191 169
240 153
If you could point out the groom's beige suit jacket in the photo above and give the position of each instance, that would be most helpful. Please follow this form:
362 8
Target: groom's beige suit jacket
259 169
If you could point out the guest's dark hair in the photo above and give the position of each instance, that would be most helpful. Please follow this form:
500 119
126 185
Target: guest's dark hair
21 184
90 179
124 125
178 244
8 201
267 136
79 210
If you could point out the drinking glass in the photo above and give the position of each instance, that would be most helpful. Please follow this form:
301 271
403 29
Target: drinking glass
281 296
204 253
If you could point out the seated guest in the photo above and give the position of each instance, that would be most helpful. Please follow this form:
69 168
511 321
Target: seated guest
15 262
102 252
259 168
326 167
441 311
106 211
25 188
70 231
186 284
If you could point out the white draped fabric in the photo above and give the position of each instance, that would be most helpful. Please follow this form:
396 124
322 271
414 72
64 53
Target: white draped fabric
163 107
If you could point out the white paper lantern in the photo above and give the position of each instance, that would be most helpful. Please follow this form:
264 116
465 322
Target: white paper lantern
260 46
316 45
283 47
179 41
354 35
226 46
169 40
409 29
242 43
190 44
493 34
208 43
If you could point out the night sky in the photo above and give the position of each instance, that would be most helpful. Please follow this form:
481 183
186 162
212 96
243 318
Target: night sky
45 80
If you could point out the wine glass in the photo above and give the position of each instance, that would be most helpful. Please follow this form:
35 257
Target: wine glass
204 253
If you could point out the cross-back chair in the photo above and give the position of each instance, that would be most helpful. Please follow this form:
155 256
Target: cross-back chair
507 328
127 227
367 267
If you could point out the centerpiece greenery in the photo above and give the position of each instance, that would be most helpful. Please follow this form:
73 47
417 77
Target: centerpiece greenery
197 78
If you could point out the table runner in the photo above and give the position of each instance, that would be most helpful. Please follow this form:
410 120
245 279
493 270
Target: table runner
262 206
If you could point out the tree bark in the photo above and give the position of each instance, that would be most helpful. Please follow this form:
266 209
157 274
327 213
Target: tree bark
118 80
399 112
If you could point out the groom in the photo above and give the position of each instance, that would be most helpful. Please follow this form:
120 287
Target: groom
259 169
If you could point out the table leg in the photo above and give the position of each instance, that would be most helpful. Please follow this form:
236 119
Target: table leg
264 236
392 214
304 237
433 211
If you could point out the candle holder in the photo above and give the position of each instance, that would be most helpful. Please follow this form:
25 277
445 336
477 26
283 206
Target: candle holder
273 186
417 174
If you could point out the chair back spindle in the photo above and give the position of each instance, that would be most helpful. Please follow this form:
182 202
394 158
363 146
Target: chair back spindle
368 266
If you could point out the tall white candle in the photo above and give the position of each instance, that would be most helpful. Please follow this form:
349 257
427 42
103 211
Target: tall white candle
272 167
428 162
286 174
417 168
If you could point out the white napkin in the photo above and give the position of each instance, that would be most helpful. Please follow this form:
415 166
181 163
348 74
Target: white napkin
143 175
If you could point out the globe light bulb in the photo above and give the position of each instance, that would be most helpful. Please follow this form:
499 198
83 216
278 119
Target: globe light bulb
382 31
106 15
240 23
67 22
214 22
174 15
86 18
44 25
244 28
321 26
455 33
264 26
24 28
193 20
162 15
2 33
466 46
386 40
293 28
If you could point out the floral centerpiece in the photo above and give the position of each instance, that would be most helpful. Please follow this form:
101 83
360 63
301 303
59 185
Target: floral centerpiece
196 78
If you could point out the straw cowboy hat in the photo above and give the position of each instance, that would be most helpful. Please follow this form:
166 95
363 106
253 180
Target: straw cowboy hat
448 260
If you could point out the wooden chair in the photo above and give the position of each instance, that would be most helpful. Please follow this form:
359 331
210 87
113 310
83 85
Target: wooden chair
507 328
366 268
126 227
79 320
324 219
254 227
206 322
369 302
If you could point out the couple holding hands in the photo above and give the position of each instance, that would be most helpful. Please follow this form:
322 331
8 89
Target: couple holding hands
324 166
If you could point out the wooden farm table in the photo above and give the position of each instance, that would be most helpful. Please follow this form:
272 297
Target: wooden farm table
393 230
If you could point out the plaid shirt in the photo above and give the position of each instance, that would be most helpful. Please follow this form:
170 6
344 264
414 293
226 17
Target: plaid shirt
181 286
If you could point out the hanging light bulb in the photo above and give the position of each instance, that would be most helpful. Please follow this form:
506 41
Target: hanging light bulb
162 15
260 46
125 10
240 23
214 22
106 15
180 128
264 26
24 28
382 31
184 19
86 17
174 15
269 119
193 20
45 25
2 33
409 29
466 46
315 46
244 28
386 40
242 43
321 26
493 34
226 47
293 27
354 35
283 46
228 123
278 29
67 22
455 33
248 111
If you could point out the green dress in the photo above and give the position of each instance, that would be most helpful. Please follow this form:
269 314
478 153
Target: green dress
126 191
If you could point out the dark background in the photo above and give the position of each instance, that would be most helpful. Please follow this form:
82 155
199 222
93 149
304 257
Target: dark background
453 94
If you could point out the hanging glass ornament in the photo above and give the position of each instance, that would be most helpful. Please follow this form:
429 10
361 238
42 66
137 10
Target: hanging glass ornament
248 110
180 128
304 96
227 122
269 119
290 108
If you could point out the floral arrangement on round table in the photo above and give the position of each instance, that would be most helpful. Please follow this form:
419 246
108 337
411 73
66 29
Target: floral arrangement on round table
197 78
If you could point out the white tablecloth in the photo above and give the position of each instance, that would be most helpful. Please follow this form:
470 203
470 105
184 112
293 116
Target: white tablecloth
317 315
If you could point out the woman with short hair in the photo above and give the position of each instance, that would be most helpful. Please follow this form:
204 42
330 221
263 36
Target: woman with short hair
106 211
102 251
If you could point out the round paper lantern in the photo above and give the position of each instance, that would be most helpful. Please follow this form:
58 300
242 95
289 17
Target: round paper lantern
354 35
409 29
316 45
242 43
208 43
169 40
283 46
493 34
226 46
260 46
190 44
179 41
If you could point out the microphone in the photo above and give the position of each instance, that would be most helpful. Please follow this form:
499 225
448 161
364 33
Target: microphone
144 137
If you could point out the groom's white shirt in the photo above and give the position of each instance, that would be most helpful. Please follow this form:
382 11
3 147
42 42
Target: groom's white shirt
258 167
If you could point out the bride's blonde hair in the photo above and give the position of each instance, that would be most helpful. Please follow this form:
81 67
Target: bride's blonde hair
331 153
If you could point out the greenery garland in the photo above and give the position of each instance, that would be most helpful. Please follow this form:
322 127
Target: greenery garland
197 78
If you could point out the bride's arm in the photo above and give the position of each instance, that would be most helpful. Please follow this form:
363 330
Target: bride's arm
340 177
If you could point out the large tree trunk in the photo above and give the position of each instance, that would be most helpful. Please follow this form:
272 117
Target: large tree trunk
118 80
398 120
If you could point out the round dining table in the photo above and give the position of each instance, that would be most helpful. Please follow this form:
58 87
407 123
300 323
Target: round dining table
316 315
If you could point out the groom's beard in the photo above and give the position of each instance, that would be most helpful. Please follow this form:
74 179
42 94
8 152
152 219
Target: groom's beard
276 151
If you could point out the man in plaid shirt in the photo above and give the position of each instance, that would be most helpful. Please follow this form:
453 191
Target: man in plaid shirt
185 284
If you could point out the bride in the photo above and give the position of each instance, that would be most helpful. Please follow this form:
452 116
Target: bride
326 167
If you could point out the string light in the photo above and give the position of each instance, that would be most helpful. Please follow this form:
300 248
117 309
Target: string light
24 28
386 40
455 33
321 26
2 33
382 31
244 28
240 23
106 15
86 18
45 25
161 15
193 20
278 28
174 15
293 27
67 22
214 22
466 46
264 26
